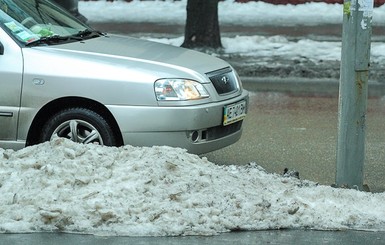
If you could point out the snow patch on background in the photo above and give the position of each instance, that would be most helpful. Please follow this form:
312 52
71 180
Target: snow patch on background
244 14
229 12
280 46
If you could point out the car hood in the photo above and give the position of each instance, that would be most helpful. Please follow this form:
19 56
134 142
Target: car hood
123 48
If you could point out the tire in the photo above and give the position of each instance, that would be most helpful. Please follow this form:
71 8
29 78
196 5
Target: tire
80 125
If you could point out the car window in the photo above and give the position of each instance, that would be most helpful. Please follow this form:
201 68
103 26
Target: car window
16 29
31 20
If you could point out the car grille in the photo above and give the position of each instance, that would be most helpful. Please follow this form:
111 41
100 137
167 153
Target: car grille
224 81
222 131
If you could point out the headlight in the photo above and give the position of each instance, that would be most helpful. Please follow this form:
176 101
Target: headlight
179 89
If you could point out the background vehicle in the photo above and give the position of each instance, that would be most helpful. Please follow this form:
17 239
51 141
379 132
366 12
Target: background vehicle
60 77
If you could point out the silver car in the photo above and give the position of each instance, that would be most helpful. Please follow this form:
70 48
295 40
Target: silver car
60 77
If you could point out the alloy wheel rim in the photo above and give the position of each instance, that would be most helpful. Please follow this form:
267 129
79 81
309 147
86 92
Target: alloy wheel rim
78 131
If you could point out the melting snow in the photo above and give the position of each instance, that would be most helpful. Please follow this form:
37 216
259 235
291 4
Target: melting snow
163 191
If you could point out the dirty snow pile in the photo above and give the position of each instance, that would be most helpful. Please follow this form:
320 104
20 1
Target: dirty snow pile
163 191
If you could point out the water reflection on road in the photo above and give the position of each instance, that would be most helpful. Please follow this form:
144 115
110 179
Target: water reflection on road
300 132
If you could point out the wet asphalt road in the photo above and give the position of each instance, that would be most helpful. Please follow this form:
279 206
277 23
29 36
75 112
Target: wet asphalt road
295 237
325 32
299 132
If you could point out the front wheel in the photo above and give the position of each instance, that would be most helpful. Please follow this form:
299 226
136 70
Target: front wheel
79 125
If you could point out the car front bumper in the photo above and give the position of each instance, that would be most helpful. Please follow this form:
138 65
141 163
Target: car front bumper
196 128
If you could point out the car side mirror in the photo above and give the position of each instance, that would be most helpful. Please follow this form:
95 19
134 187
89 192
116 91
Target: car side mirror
1 49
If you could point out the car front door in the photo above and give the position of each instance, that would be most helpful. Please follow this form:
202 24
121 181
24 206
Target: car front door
11 69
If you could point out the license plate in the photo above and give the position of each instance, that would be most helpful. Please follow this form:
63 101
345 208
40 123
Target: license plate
234 112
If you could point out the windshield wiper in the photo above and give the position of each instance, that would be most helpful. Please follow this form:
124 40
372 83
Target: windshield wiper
52 40
55 39
88 33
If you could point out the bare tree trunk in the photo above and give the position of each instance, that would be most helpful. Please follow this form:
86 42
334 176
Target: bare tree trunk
202 25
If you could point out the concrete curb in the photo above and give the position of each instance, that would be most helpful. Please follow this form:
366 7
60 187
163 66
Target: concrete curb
299 85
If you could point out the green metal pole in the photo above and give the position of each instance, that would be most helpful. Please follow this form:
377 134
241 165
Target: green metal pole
353 94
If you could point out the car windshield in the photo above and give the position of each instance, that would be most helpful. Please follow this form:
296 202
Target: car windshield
41 22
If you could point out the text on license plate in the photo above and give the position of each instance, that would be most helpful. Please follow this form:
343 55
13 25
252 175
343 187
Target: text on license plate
234 112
